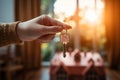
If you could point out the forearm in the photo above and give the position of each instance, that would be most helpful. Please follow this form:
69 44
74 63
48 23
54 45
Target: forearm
8 34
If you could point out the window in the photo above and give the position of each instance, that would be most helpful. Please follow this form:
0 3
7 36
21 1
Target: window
47 49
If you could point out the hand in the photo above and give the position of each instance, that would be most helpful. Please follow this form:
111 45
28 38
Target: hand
43 28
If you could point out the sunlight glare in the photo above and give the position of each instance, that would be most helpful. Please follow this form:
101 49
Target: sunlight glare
67 7
100 5
91 16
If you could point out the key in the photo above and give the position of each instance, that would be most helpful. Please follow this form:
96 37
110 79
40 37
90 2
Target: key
64 38
64 50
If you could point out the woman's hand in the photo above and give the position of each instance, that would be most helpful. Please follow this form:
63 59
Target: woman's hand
43 28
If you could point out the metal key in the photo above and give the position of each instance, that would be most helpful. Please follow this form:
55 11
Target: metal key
64 38
64 50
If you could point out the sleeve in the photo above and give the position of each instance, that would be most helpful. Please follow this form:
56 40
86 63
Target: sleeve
8 34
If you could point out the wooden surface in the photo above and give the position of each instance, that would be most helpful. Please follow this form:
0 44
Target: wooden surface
9 70
43 74
113 75
12 68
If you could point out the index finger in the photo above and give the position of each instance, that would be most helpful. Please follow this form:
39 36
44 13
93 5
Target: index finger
58 23
48 21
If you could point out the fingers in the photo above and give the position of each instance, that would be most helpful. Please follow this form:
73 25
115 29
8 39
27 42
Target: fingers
48 21
52 29
46 38
57 23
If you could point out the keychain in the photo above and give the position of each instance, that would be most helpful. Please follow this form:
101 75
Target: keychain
64 38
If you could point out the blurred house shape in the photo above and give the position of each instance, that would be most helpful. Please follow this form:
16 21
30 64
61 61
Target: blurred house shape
77 66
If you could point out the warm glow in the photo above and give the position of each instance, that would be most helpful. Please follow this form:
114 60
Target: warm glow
86 4
91 16
65 7
100 5
91 4
90 12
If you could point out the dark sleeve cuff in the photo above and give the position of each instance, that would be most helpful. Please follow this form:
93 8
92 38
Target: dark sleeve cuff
8 34
13 33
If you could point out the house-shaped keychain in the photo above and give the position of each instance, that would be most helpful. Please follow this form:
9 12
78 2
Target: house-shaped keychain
77 66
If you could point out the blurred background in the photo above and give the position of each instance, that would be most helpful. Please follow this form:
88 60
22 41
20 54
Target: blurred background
95 28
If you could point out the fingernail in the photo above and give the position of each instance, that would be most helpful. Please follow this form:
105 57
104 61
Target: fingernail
69 27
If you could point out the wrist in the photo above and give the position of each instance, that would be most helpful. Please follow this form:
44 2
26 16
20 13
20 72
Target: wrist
19 31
